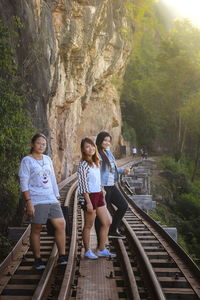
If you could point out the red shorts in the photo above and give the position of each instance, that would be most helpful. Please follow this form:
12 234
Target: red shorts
97 200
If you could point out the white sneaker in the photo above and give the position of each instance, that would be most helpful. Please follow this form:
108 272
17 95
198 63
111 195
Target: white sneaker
106 253
89 254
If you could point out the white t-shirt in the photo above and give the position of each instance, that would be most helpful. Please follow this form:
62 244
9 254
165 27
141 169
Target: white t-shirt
94 179
38 177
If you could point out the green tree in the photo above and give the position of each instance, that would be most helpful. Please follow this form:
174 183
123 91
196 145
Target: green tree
139 76
191 119
159 81
15 124
178 79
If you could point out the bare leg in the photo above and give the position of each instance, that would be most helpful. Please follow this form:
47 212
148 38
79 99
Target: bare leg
106 220
60 237
35 239
89 218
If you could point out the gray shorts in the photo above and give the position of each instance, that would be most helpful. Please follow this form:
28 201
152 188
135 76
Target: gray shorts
43 212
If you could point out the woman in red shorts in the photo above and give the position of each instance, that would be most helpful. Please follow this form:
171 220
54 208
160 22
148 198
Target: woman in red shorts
90 191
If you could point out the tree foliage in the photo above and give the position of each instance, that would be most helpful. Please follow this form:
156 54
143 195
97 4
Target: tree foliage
161 79
15 124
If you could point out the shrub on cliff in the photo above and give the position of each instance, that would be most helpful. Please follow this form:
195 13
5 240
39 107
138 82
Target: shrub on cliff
15 126
188 211
179 207
177 176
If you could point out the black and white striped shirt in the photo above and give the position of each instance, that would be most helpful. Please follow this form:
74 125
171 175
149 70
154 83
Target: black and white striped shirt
83 171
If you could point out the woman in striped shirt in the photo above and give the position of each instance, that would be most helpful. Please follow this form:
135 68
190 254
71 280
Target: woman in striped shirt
89 185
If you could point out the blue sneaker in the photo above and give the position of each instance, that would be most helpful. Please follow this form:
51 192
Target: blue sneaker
106 253
89 254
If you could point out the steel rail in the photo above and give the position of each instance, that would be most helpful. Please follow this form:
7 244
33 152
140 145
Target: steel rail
11 256
13 260
133 288
145 265
66 181
69 272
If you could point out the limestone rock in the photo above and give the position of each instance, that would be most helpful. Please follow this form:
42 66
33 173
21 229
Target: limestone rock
68 52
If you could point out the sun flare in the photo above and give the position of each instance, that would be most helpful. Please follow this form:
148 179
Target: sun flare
186 9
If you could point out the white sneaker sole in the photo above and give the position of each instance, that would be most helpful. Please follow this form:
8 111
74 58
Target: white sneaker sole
92 258
105 256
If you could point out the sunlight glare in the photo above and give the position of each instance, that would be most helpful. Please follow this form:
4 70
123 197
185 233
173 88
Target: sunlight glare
186 9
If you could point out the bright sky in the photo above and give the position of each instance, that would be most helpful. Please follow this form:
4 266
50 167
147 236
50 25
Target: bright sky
189 9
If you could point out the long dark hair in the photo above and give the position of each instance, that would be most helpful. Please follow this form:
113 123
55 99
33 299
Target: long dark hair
95 159
35 137
99 140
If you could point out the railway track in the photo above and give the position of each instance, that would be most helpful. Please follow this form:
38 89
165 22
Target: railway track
149 265
155 265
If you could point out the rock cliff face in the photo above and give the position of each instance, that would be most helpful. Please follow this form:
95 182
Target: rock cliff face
68 52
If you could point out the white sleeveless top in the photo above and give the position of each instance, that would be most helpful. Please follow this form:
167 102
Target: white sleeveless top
94 179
